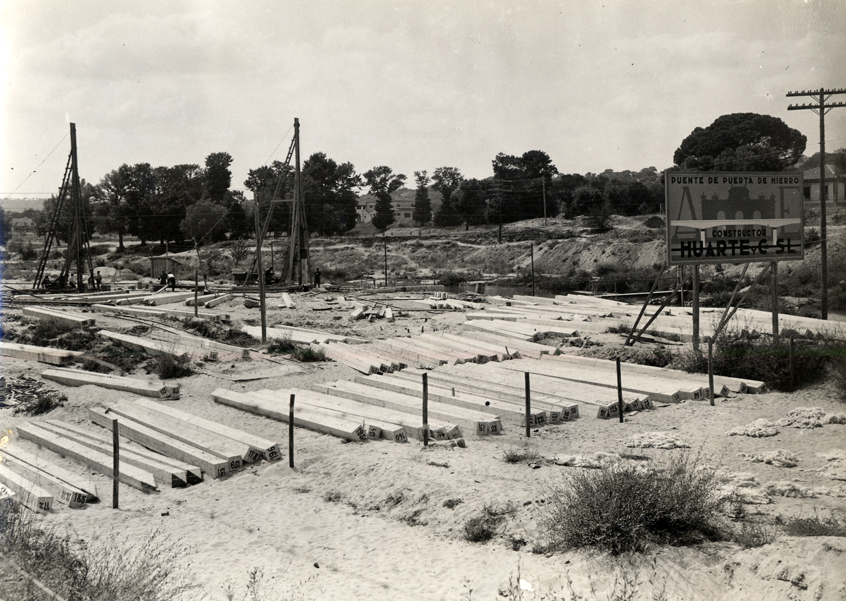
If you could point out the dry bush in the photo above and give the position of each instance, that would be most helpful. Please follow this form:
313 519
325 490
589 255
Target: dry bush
626 507
520 455
834 525
72 569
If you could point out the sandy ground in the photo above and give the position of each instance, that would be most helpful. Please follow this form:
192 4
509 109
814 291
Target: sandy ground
368 520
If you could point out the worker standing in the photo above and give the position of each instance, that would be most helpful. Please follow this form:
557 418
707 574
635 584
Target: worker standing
317 278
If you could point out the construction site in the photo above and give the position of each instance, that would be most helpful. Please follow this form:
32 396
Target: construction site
380 438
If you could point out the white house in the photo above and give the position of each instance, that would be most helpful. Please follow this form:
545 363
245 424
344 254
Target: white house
835 185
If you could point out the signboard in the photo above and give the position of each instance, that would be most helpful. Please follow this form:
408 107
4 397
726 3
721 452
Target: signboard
733 217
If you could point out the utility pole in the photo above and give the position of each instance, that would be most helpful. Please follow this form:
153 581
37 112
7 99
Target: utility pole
821 108
260 267
543 183
298 255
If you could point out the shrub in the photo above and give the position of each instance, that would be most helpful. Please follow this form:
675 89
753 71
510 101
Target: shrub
481 528
520 455
171 366
753 535
625 507
73 569
834 525
451 278
286 346
282 345
744 354
47 330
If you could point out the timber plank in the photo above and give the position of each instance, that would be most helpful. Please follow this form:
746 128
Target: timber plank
74 377
308 419
475 420
70 319
131 475
27 493
38 353
64 492
193 473
267 449
235 453
51 469
166 475
137 432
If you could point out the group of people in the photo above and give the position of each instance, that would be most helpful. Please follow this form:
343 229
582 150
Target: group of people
95 282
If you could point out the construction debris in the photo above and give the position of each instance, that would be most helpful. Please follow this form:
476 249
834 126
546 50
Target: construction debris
31 397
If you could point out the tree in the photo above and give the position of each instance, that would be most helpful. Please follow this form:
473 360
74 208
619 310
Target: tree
162 211
112 214
422 212
204 222
269 183
587 200
470 202
5 228
217 177
329 194
383 182
741 142
521 183
447 180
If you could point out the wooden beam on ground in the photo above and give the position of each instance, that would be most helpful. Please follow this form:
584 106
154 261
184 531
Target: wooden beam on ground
168 299
474 420
64 492
526 348
153 348
101 462
499 351
70 319
466 400
376 426
165 475
219 300
27 493
201 300
38 353
154 440
482 355
556 409
193 473
288 301
303 417
403 349
75 377
260 447
50 468
235 453
181 313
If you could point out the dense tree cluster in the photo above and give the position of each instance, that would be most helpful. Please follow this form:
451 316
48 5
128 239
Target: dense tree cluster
197 203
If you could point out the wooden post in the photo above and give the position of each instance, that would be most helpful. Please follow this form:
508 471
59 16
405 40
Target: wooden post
528 406
291 433
385 240
619 391
532 251
260 268
425 410
790 358
696 307
774 299
115 462
711 370
681 285
196 286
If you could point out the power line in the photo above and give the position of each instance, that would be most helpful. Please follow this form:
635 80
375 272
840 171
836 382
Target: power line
39 164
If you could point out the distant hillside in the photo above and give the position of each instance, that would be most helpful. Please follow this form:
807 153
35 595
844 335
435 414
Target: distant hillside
12 205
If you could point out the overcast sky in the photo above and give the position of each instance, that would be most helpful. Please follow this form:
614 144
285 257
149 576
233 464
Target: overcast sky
412 85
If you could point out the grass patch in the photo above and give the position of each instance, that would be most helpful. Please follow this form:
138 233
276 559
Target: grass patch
332 496
520 456
628 506
834 525
72 569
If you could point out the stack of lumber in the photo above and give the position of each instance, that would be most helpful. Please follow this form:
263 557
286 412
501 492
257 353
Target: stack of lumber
156 300
522 330
235 447
688 382
510 377
35 471
205 298
38 353
362 357
332 411
158 312
78 377
471 419
112 295
452 383
306 416
94 459
72 319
